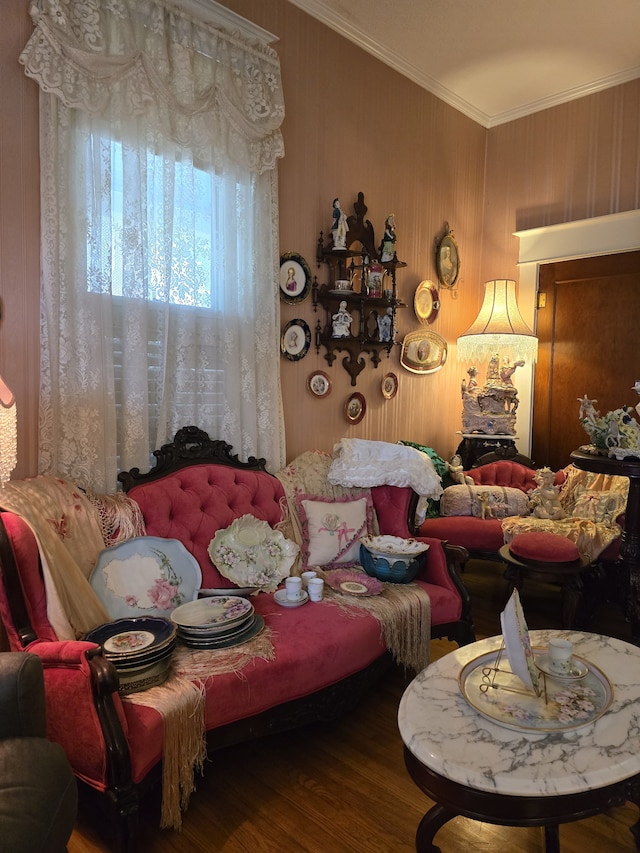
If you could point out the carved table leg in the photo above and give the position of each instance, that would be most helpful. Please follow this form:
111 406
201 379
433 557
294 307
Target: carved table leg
551 838
434 820
571 598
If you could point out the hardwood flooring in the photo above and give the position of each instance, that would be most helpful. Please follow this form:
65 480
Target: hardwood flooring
343 788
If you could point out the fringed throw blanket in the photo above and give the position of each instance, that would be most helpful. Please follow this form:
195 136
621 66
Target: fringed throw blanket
404 614
180 701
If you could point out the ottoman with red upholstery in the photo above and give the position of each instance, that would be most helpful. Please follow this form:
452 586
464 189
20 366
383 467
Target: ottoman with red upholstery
549 558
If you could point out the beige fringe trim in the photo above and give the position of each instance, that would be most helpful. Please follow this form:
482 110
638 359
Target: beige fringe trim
120 518
404 614
181 703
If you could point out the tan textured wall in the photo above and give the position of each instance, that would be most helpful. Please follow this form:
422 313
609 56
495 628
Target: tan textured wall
353 125
19 231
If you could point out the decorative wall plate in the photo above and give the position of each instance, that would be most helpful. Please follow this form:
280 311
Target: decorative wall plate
426 302
295 278
319 383
295 340
389 386
354 408
423 352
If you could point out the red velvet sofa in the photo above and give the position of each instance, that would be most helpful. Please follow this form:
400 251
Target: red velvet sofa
324 659
482 537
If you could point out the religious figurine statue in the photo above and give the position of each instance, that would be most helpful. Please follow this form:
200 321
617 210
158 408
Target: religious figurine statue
341 322
384 325
339 226
544 500
388 245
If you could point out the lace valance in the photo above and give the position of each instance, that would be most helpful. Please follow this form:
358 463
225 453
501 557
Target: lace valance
204 88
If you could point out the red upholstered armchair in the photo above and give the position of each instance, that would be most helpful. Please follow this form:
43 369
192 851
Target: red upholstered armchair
196 487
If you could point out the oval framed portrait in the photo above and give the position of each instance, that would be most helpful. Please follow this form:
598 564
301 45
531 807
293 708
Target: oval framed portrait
389 386
423 351
319 383
355 408
448 261
295 278
295 340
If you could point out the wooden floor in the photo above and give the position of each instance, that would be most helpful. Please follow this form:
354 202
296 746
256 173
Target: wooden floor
343 787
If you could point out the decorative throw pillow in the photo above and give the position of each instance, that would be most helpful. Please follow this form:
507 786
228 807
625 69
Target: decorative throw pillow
500 501
598 506
331 529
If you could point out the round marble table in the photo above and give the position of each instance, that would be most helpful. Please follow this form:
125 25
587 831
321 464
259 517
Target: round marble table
475 767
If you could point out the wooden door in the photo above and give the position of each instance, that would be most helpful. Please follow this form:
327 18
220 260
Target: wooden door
589 343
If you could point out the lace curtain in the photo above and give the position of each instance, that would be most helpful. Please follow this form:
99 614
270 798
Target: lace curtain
160 296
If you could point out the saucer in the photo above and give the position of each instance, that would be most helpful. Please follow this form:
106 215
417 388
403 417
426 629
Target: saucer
578 668
281 598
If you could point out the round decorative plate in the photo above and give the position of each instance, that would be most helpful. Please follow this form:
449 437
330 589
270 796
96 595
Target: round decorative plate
426 302
295 278
132 637
387 544
567 706
295 340
423 352
209 612
251 631
319 383
517 643
355 408
389 386
353 583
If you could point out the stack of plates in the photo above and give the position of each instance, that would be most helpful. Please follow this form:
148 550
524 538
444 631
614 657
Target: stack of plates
140 649
217 623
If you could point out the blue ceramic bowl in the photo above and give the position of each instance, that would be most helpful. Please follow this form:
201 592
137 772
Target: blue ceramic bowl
402 569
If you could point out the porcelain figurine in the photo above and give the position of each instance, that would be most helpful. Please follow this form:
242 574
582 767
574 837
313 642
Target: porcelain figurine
388 245
339 226
341 322
544 500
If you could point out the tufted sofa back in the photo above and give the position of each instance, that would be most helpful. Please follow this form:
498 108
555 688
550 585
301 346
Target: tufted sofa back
194 503
504 473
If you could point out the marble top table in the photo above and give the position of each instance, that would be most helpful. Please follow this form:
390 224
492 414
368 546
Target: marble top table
472 766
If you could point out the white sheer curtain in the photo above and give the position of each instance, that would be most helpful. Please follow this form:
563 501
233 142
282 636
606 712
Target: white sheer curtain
160 296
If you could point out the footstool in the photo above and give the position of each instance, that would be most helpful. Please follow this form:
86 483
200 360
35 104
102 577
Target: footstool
549 558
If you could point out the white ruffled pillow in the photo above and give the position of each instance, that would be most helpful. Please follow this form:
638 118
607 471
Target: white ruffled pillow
363 463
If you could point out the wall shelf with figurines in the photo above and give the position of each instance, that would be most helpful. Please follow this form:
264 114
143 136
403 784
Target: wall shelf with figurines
360 298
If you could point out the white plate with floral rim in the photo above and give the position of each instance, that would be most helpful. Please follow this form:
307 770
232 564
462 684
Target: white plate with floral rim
353 582
212 614
517 643
145 576
562 706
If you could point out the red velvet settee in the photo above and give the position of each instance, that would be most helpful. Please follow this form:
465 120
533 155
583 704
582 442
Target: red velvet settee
323 662
482 537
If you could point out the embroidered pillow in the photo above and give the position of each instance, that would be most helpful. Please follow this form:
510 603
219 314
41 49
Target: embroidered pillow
598 506
331 529
501 501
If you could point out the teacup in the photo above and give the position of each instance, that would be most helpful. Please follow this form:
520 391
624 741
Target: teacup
293 586
560 652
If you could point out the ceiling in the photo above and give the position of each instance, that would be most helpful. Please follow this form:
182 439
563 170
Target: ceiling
495 60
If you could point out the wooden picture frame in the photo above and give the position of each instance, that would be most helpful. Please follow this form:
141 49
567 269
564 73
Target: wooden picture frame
448 261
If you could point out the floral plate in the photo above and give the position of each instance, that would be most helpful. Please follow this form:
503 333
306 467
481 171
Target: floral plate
211 614
563 706
250 553
145 576
353 583
132 639
517 643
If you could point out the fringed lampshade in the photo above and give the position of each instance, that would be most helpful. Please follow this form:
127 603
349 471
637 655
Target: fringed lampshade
498 328
8 432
